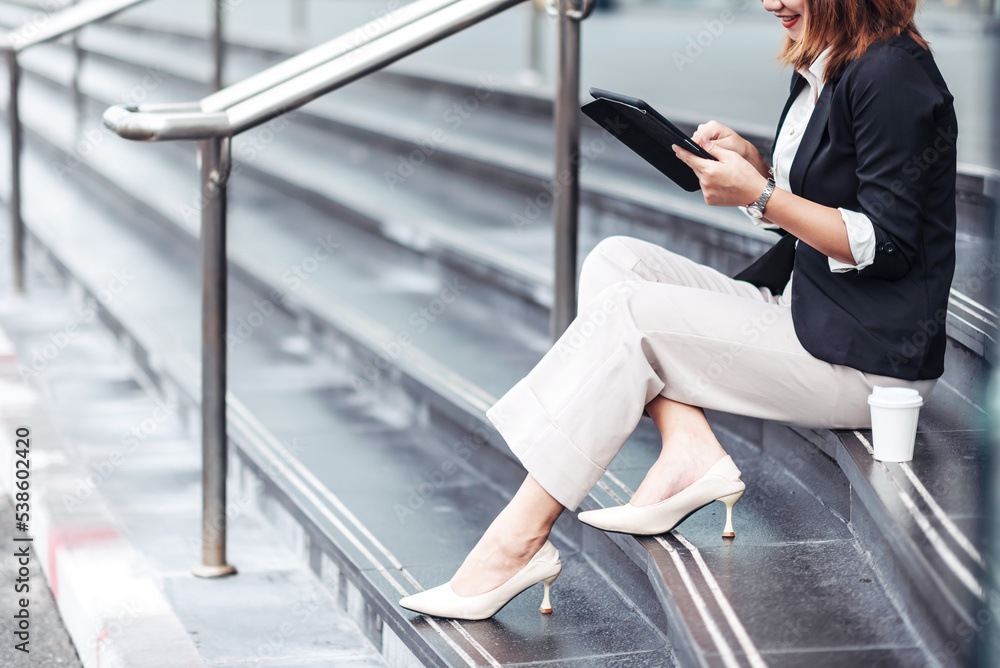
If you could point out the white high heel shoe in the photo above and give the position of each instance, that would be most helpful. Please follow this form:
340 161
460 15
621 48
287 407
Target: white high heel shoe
442 601
720 483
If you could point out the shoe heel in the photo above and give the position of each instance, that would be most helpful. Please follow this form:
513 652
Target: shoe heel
546 607
730 501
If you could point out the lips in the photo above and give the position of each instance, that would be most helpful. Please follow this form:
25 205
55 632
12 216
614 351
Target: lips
788 22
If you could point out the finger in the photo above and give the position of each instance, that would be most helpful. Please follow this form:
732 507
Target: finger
715 130
686 157
703 134
689 159
719 130
713 149
721 153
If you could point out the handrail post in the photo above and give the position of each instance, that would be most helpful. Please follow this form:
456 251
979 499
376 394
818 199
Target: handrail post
14 121
218 47
566 185
77 73
215 167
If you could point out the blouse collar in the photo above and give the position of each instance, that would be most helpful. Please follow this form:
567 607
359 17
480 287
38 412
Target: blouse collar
814 73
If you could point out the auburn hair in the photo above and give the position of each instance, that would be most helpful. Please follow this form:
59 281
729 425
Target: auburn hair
848 27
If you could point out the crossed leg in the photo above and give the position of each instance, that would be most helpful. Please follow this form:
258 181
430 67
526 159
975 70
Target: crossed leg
689 445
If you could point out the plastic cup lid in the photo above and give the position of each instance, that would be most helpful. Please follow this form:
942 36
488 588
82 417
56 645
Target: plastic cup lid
895 397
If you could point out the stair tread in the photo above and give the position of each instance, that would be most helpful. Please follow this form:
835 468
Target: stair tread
933 520
777 609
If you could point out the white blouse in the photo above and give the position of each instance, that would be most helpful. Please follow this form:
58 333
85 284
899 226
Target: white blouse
860 233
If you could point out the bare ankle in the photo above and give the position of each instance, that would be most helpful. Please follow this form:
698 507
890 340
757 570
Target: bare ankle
516 540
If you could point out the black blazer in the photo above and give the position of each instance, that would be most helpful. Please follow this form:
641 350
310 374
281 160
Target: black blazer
881 141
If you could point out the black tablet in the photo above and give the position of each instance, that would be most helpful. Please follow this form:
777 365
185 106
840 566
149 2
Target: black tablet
683 140
647 132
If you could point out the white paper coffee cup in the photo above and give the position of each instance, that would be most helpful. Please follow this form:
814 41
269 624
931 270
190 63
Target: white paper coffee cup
894 422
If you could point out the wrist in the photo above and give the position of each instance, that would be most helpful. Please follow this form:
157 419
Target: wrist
753 156
758 206
756 189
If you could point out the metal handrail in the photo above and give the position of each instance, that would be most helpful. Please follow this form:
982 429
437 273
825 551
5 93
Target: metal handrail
35 32
215 119
301 79
62 23
318 55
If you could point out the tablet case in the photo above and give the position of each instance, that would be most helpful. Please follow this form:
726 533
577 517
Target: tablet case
645 135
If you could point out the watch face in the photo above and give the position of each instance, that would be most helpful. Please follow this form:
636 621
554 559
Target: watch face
755 212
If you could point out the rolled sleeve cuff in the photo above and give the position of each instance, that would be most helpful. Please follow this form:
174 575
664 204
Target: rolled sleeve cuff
550 456
861 236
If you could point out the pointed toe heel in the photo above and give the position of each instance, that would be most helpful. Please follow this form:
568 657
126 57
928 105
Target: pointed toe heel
442 601
720 483
730 501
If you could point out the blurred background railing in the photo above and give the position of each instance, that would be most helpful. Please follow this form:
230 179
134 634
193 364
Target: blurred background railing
57 21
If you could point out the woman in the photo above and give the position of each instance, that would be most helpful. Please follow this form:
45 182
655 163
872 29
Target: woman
853 295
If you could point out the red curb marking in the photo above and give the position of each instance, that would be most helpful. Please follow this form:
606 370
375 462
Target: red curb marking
60 537
100 636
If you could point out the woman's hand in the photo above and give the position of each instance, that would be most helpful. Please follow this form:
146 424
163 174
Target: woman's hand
720 135
732 181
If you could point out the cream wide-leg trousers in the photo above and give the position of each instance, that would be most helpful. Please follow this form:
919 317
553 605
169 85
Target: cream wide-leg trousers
651 322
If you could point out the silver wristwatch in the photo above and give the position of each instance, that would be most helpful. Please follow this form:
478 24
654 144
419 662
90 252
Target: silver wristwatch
757 208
